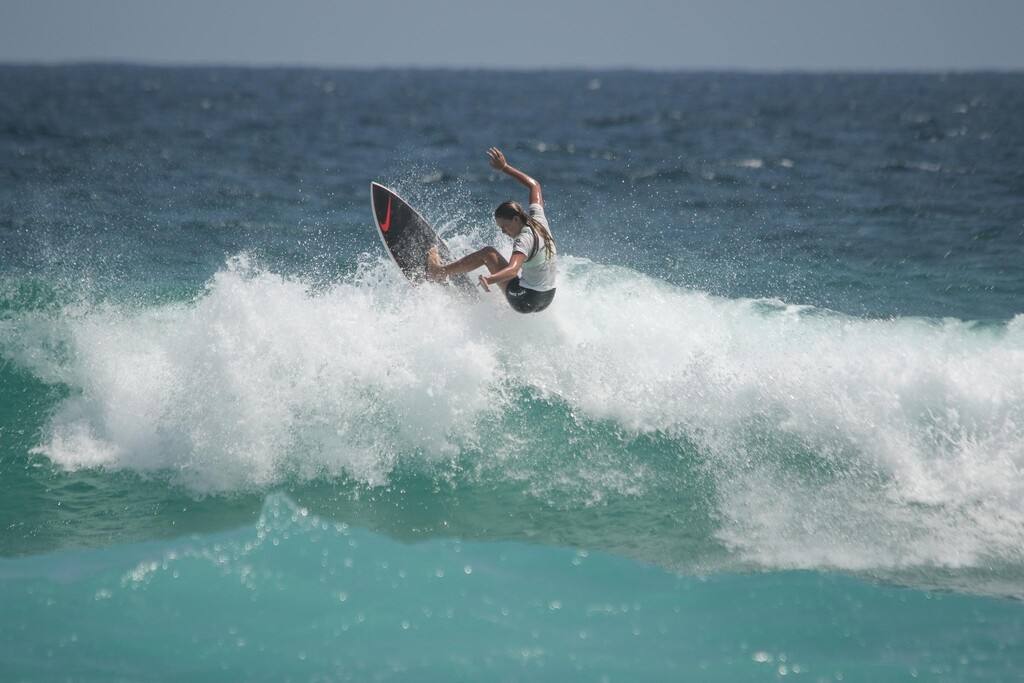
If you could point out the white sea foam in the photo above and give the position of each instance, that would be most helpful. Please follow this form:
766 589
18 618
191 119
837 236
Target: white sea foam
919 424
226 390
832 441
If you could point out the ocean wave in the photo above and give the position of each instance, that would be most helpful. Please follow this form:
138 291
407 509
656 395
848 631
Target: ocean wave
825 441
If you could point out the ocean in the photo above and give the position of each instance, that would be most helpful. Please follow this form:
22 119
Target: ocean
771 427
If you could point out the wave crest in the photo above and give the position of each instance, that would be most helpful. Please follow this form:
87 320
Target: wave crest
829 440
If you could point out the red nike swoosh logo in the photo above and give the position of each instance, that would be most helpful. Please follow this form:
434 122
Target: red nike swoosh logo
387 220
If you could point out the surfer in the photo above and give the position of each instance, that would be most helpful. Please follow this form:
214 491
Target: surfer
528 278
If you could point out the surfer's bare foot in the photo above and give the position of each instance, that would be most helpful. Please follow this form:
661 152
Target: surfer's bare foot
435 271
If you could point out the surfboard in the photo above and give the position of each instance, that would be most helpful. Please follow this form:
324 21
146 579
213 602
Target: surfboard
408 237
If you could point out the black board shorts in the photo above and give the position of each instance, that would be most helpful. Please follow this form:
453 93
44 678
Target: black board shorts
527 300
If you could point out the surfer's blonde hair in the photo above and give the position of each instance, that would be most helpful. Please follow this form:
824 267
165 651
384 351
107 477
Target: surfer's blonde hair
511 209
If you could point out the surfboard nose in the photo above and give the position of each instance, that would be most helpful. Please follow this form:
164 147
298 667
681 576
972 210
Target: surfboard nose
380 197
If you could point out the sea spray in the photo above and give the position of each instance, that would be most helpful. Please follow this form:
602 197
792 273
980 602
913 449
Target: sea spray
826 441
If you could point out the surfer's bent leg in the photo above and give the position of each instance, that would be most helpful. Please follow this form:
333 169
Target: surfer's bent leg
488 257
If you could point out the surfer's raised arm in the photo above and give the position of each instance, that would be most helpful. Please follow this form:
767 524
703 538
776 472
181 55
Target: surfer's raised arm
527 278
498 163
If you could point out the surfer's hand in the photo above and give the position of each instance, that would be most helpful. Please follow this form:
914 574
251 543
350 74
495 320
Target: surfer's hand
498 162
483 283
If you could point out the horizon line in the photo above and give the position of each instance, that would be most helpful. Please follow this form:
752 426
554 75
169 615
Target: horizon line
313 66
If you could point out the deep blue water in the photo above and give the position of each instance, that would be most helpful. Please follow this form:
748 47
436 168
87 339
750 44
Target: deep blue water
772 426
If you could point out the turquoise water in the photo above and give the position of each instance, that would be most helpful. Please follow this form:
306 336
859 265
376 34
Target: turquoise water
772 427
300 597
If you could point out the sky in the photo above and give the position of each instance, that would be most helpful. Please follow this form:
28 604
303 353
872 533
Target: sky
756 35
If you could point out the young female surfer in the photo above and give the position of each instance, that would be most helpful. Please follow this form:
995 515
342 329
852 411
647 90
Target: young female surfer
528 278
